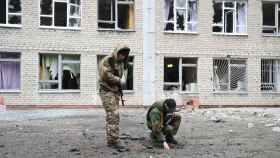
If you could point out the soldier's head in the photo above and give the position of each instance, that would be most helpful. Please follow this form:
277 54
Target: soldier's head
169 106
123 53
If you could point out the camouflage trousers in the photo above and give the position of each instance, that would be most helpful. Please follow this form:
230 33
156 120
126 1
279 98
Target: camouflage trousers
168 130
110 103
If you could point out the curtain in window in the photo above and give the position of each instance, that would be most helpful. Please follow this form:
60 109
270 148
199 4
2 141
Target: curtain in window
241 17
9 75
49 68
192 13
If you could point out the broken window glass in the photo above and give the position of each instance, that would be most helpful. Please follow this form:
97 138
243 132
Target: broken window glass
181 16
75 11
229 4
46 7
45 21
169 15
125 16
75 2
3 11
171 70
269 25
228 25
14 6
192 15
60 14
230 17
14 19
9 71
241 17
181 3
189 75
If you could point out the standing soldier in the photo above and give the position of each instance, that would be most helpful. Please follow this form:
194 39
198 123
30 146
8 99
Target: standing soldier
163 122
112 72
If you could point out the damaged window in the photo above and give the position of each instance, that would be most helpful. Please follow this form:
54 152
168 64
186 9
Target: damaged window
230 17
59 72
9 71
180 74
181 15
130 77
270 75
116 14
10 12
60 13
229 75
271 18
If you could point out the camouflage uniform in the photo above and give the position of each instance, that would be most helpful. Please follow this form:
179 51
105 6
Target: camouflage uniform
157 124
110 72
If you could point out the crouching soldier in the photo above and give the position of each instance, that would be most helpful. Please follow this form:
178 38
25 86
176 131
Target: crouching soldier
163 122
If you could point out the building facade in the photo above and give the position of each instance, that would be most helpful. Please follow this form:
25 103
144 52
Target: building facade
225 52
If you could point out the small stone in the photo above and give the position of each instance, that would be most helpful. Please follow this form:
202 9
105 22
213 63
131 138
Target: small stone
250 125
270 125
276 129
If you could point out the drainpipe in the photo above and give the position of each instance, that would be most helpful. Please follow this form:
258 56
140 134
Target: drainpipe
149 52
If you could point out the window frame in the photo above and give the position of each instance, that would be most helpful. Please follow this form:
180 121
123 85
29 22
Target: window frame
7 16
234 17
133 71
181 66
174 22
229 75
115 22
18 60
277 22
60 63
275 61
68 4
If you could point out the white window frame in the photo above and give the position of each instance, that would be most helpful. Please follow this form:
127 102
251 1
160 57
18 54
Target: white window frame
60 62
234 17
115 22
229 75
7 16
181 66
68 16
133 82
12 60
174 22
277 27
276 72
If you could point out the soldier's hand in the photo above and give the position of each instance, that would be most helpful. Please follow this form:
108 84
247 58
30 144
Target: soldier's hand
166 146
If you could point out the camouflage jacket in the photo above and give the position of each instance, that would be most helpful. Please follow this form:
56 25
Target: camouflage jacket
155 119
111 71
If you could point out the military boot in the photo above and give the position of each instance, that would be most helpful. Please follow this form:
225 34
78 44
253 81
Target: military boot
170 139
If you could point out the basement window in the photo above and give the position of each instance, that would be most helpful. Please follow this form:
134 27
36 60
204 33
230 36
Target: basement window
230 75
130 77
59 72
180 74
60 13
9 71
230 17
10 13
271 18
270 74
116 14
180 15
